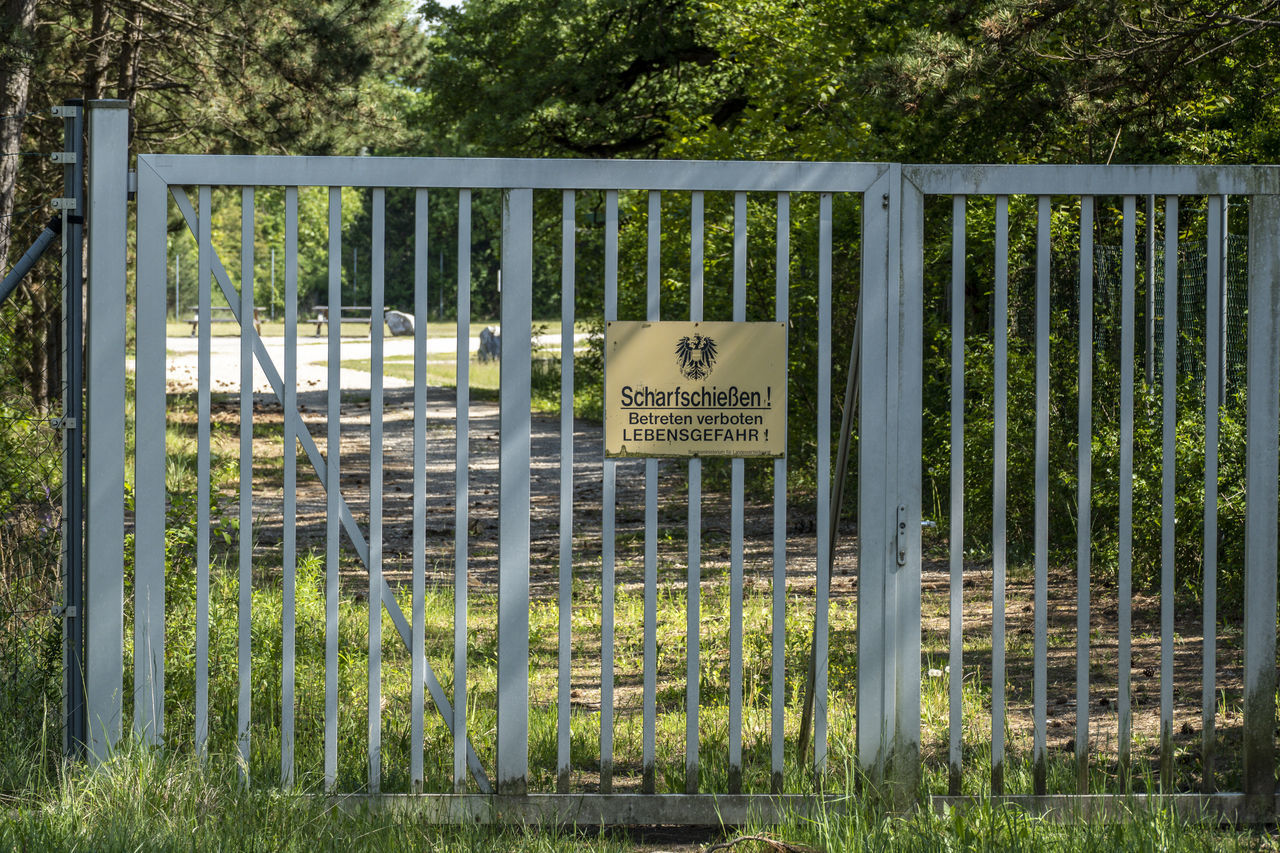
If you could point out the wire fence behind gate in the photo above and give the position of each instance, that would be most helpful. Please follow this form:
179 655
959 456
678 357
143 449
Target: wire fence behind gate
31 539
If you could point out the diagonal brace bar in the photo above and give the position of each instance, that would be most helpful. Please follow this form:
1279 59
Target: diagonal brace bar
443 707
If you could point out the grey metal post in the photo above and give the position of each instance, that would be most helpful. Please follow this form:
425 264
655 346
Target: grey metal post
149 458
73 729
1261 507
108 164
177 279
905 768
513 494
889 486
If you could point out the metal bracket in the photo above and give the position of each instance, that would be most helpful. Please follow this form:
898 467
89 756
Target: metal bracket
902 534
64 422
64 204
66 158
65 611
65 111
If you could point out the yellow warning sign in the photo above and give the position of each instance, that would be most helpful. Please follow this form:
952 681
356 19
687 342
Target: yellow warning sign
684 389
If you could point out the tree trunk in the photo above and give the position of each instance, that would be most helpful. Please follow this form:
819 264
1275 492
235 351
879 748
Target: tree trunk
17 29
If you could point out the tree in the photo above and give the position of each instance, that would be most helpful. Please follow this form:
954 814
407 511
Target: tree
224 76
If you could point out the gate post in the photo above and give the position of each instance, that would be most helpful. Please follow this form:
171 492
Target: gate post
888 734
1261 504
513 493
108 166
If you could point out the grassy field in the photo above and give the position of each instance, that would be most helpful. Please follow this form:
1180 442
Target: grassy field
159 800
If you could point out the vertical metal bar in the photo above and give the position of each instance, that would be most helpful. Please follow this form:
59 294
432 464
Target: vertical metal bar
462 458
1261 503
149 459
824 521
956 612
376 290
290 533
1212 399
203 406
333 489
104 466
568 219
244 658
875 517
778 688
513 494
417 645
1041 592
1168 478
609 497
146 708
693 671
906 768
1084 493
999 494
1127 341
1224 303
736 500
649 712
1151 292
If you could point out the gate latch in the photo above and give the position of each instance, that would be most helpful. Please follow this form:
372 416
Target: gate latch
902 534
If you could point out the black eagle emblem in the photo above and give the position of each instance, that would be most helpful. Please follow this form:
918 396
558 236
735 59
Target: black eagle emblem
695 355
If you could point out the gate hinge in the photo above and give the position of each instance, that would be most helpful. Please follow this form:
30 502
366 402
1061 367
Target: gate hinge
64 204
132 183
66 158
902 534
65 611
64 422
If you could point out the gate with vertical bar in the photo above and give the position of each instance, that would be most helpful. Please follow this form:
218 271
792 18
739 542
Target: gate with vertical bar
490 774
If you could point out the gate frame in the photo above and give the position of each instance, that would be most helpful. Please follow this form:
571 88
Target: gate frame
888 736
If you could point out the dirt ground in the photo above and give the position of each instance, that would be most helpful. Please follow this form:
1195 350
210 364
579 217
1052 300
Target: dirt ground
482 509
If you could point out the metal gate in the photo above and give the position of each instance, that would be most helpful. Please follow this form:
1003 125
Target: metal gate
890 200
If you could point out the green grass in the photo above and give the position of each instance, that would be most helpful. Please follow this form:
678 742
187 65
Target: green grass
147 799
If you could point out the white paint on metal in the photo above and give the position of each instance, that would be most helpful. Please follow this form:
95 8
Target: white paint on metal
1263 424
1084 489
104 451
513 496
956 534
609 499
693 605
1212 401
1168 476
149 462
462 458
541 173
333 493
417 643
823 498
1127 345
1041 582
649 710
203 485
377 289
736 477
999 495
778 691
244 658
290 533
